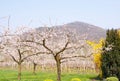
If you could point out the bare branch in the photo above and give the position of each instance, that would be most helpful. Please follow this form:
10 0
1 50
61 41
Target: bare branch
44 44
79 47
66 61
31 46
25 51
34 55
19 53
8 21
62 58
14 58
32 41
64 48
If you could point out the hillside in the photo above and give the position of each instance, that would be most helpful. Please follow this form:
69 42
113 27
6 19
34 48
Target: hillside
81 28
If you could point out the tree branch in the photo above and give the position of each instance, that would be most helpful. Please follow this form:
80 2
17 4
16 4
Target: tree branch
64 48
44 44
77 56
31 41
14 58
35 54
66 61
31 46
19 54
75 47
25 51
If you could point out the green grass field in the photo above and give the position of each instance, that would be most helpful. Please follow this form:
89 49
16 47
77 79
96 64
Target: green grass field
11 75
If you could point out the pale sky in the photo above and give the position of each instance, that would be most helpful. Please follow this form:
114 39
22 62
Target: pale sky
35 13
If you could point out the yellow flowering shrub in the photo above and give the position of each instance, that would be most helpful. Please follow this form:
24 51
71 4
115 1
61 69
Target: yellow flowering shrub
48 80
75 79
97 57
97 52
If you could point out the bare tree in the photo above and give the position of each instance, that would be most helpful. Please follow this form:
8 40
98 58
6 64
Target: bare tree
57 42
19 51
35 61
1 46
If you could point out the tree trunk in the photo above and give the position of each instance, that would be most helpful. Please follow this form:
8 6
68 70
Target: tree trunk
19 71
34 68
58 71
